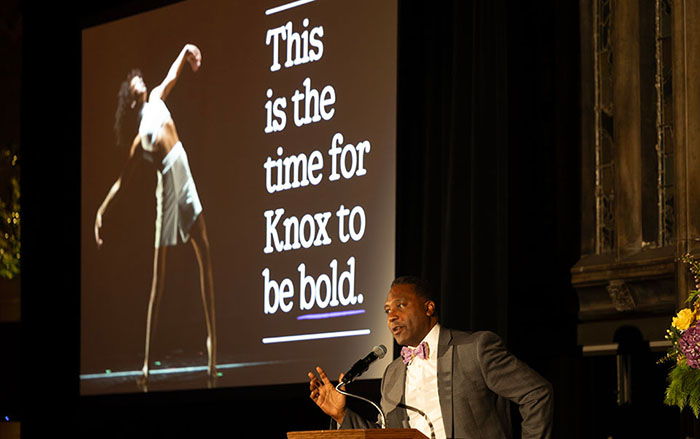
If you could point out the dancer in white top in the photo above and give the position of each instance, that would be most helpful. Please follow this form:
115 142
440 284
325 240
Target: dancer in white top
179 216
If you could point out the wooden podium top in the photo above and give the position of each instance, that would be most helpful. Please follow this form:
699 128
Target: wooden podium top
387 433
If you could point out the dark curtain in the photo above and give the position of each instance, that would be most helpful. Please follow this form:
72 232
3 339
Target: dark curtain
488 191
452 168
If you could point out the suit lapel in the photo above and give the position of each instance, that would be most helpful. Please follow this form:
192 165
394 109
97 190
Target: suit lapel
393 397
444 378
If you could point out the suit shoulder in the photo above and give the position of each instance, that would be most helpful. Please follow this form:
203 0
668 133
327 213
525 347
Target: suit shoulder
466 337
459 336
477 340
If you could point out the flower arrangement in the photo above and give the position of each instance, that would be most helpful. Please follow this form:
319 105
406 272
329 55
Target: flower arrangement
684 335
9 213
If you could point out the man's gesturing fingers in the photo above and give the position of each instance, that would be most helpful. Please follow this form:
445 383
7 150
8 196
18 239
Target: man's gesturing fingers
324 377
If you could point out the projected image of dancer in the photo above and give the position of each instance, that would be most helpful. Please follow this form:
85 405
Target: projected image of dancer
179 216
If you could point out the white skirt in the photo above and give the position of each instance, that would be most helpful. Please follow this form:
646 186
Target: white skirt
177 202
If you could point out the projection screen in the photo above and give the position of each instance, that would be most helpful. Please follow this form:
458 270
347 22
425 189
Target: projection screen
241 230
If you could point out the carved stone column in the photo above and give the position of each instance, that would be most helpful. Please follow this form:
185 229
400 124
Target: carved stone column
686 85
627 127
635 283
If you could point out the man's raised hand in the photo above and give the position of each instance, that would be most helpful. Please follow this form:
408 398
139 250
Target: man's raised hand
325 396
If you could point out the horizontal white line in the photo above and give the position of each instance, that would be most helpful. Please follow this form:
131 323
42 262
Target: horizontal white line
287 6
319 335
172 370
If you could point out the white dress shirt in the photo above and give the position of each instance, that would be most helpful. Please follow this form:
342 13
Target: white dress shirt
421 391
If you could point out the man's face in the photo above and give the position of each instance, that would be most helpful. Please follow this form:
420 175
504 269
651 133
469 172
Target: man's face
408 315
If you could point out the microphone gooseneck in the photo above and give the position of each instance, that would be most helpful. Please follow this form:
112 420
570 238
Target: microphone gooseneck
382 416
358 369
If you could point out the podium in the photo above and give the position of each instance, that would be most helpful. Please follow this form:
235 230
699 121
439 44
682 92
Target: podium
387 433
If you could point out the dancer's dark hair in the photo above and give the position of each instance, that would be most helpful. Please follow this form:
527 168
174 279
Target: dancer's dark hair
124 108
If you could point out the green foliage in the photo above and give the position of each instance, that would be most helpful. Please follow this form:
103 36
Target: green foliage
9 213
692 297
684 388
684 381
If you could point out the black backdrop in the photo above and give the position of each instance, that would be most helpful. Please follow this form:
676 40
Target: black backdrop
488 157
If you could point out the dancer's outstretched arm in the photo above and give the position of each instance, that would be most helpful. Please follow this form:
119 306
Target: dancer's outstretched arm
189 53
114 190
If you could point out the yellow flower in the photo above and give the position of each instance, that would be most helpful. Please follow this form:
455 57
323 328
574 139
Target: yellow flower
684 319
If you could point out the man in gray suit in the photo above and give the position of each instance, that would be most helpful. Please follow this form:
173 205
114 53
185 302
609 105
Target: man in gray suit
447 383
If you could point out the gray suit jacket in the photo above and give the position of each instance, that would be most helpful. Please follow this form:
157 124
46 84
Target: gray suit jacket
476 378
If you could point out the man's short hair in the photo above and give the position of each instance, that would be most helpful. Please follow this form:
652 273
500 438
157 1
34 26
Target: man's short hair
421 286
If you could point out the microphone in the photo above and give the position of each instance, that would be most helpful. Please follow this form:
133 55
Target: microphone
358 369
361 366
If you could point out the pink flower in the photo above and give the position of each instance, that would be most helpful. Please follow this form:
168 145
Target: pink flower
690 346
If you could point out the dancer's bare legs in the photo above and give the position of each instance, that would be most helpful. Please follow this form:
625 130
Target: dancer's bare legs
200 243
157 286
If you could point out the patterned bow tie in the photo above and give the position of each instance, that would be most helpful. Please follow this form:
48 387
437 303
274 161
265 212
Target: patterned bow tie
408 354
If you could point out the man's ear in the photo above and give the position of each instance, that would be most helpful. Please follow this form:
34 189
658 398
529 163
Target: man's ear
430 308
